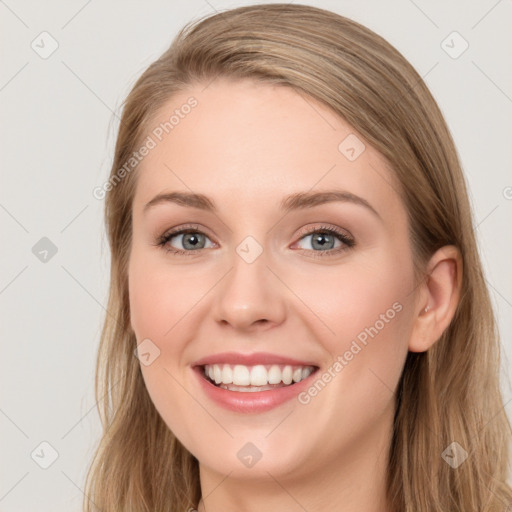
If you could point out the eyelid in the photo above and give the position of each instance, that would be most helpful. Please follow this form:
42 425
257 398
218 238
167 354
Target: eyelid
163 240
324 227
195 228
346 239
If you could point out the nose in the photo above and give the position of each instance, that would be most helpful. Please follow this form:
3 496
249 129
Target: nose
250 297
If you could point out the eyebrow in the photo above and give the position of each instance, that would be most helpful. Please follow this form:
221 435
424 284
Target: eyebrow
297 201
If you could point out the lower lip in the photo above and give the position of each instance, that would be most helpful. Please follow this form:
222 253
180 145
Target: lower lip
255 401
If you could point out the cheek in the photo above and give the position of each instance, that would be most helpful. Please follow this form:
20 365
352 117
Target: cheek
347 301
159 303
159 298
365 312
368 309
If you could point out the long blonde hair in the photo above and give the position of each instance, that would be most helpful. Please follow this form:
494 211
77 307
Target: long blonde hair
449 393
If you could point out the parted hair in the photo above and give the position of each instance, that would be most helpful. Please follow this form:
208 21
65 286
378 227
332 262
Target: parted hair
449 393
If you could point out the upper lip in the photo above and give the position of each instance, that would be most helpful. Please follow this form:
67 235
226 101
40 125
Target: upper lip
250 359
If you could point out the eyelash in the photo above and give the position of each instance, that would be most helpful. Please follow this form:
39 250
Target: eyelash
348 242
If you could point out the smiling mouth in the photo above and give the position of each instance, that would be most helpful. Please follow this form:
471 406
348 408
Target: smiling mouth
255 378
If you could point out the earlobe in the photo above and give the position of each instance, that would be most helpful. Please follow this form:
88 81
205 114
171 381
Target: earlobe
439 296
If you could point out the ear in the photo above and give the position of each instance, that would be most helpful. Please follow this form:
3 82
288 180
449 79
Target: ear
440 294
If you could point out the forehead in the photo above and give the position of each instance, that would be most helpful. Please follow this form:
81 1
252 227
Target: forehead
258 142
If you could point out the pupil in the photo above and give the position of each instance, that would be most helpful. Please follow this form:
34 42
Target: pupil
323 239
192 240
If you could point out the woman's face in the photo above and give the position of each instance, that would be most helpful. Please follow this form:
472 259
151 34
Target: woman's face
297 253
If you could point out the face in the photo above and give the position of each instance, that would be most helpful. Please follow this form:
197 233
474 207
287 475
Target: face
295 253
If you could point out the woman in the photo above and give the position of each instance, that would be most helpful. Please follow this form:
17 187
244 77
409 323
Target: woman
298 316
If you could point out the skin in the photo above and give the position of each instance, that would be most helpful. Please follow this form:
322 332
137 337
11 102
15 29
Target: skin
247 146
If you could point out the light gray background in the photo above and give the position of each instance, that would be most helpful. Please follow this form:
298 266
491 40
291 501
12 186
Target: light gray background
58 129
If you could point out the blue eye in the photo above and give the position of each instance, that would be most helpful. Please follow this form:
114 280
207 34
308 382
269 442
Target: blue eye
190 239
323 241
326 241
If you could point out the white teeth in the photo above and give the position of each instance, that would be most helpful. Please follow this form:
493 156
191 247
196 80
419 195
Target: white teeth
217 374
274 375
227 374
257 376
241 376
306 372
287 375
